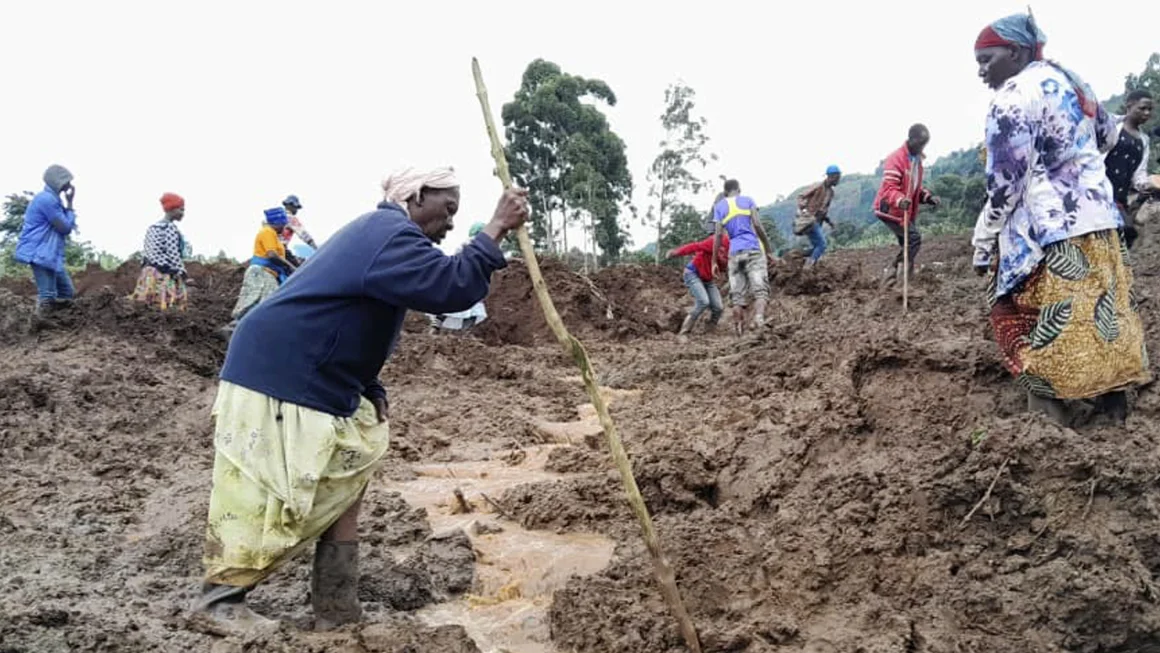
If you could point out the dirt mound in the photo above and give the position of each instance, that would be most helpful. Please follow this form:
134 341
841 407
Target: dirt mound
621 302
850 479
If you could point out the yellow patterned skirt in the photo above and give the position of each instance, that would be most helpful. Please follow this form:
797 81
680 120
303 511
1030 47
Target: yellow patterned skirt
165 291
1071 330
282 475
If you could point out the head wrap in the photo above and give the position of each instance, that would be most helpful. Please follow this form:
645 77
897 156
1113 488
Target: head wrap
406 183
171 201
57 177
1020 30
276 217
475 229
833 170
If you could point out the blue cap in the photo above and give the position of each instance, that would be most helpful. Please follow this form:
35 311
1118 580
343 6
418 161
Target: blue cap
292 200
833 170
277 216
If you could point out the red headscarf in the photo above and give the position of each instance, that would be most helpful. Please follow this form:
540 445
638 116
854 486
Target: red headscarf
172 201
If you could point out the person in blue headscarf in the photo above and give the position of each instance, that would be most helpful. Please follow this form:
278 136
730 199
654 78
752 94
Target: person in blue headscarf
814 211
462 320
268 265
1063 309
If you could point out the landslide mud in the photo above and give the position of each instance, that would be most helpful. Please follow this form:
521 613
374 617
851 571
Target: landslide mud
811 484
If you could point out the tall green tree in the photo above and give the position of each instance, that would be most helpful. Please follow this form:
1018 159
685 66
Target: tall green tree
559 145
675 172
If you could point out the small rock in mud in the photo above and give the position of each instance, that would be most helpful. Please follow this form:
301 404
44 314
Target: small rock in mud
397 586
449 559
571 460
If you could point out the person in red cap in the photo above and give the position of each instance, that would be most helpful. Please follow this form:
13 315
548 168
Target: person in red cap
162 279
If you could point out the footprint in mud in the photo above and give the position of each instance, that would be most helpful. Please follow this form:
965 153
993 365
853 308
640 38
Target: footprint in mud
517 570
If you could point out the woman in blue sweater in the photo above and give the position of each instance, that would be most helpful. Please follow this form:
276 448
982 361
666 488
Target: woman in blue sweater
300 431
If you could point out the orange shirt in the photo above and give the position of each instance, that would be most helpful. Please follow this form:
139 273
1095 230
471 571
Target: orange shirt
267 240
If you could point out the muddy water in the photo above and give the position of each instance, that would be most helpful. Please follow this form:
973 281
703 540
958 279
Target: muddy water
516 569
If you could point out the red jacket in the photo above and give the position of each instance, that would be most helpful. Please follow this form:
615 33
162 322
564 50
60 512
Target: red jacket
702 252
898 184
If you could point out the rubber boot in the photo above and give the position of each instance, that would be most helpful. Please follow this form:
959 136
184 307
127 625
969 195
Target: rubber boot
1054 409
221 610
1114 405
711 326
334 584
890 275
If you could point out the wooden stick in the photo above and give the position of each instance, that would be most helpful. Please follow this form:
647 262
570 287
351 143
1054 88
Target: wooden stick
906 261
664 572
986 495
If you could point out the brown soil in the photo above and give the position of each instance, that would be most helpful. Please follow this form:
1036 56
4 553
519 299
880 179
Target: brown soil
810 483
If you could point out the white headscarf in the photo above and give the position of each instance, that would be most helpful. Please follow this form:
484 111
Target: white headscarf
405 183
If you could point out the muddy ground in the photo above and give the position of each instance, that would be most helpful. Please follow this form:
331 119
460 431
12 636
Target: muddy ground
811 484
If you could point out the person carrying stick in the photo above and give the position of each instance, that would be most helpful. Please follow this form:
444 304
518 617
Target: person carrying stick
899 197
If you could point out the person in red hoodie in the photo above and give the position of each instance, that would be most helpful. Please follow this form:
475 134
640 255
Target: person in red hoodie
901 193
699 280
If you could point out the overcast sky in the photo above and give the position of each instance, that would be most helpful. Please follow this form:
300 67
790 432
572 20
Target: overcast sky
235 104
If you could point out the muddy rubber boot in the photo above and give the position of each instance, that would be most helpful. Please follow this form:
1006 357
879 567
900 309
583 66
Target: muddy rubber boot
221 610
1054 409
890 275
1113 405
334 585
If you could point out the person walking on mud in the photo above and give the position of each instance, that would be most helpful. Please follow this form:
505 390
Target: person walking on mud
899 196
162 279
814 210
48 221
749 254
1063 307
698 277
298 434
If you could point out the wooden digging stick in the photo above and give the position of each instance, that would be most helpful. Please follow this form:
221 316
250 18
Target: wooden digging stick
664 572
906 260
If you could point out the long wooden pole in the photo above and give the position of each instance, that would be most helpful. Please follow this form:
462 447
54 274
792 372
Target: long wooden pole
906 260
664 571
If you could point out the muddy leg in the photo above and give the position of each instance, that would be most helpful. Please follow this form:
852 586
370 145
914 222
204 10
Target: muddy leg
739 320
1055 409
334 579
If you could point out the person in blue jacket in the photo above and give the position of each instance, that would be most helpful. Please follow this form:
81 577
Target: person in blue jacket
48 221
300 428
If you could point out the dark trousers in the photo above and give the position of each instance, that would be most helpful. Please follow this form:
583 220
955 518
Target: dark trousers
915 240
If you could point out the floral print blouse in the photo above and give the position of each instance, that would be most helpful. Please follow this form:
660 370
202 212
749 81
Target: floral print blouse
1046 180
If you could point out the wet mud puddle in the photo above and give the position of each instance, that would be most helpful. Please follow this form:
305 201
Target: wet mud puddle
516 570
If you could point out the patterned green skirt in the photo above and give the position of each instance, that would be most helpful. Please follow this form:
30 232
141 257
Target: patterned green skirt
1071 330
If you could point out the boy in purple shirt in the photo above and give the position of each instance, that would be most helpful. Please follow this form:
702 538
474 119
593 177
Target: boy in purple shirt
736 214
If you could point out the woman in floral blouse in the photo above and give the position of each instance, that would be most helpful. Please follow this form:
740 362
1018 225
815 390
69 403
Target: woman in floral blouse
1063 310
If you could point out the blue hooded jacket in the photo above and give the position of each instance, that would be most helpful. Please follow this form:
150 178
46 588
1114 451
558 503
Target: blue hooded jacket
47 224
